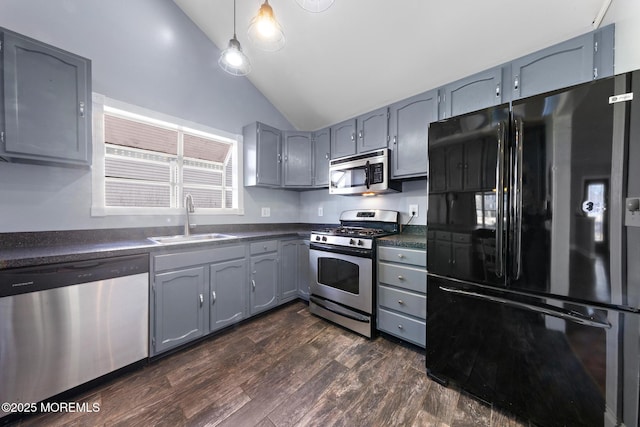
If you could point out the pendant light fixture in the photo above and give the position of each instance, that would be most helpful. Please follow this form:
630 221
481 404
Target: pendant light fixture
232 59
264 31
315 6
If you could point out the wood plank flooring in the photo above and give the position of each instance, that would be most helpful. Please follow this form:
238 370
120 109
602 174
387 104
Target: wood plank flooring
285 368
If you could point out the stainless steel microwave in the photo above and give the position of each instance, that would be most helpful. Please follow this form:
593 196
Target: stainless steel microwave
365 173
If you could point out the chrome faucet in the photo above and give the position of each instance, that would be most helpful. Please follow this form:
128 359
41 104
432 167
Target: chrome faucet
189 208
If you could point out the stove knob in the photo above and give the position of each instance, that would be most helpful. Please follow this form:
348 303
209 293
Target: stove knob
360 242
324 238
317 237
352 242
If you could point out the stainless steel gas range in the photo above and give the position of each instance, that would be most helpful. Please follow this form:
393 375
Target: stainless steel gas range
342 262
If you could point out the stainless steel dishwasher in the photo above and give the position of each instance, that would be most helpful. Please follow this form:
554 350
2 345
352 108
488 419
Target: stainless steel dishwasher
62 325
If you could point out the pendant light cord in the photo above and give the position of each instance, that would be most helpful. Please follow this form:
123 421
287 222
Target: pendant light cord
234 19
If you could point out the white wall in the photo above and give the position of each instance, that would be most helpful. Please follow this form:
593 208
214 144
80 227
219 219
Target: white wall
413 192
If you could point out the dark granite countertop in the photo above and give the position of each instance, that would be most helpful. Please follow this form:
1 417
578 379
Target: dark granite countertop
412 237
39 248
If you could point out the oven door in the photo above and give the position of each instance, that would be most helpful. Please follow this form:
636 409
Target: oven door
342 278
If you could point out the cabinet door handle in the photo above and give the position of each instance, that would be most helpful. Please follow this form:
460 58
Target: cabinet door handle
353 137
400 302
253 284
400 256
395 139
213 297
361 134
516 83
81 109
279 158
400 327
326 156
498 90
201 300
400 277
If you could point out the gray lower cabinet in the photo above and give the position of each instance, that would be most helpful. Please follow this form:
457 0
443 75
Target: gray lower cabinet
227 293
402 288
195 292
294 270
263 276
46 110
304 278
409 133
321 157
179 308
289 270
262 155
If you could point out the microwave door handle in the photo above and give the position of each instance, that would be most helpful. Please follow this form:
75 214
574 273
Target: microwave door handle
366 175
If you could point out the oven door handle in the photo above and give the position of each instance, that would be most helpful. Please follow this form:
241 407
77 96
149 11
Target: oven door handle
335 308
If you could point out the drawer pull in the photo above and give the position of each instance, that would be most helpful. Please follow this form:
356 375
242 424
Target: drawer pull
400 277
400 256
400 302
400 327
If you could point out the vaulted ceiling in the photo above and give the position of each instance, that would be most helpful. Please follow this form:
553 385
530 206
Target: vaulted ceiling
362 54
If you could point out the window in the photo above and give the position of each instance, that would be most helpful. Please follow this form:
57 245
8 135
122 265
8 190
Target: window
146 165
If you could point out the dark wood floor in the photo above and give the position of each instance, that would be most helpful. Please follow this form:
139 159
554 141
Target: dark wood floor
286 368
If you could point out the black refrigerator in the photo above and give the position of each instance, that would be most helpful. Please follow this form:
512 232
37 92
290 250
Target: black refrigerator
532 296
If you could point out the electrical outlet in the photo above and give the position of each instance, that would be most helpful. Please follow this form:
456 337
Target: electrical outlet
266 212
413 210
320 211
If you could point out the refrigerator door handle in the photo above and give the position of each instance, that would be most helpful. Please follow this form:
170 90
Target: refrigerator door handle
500 202
517 199
548 310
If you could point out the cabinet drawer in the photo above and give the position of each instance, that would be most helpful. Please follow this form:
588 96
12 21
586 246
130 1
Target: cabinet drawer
408 329
461 237
406 302
403 277
443 235
404 256
264 247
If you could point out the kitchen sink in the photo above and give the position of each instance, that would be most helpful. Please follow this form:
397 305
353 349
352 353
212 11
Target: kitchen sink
190 238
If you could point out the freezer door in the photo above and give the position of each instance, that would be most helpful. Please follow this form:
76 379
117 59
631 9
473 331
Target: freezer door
547 361
561 194
466 221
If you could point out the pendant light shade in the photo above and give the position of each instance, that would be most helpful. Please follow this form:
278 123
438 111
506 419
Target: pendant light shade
264 31
315 6
232 59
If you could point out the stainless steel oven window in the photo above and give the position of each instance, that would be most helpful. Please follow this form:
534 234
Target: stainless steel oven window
339 274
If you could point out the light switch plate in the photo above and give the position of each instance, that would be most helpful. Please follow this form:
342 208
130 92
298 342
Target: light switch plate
320 211
266 212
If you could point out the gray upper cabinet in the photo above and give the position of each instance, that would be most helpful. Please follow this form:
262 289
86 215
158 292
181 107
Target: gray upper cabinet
408 129
473 93
574 61
373 130
343 139
46 111
321 157
262 155
298 159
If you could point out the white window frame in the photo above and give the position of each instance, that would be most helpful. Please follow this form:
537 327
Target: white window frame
98 208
